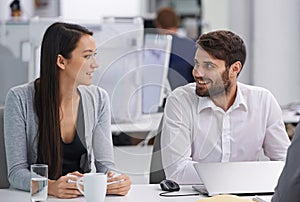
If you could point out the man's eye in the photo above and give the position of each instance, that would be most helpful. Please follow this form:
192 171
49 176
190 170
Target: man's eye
209 65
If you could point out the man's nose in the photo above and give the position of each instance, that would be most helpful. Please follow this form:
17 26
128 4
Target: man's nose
198 72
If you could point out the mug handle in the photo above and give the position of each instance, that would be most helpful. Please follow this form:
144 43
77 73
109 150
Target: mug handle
78 183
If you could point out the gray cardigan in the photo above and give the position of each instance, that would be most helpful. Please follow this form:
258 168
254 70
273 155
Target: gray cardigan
288 186
20 129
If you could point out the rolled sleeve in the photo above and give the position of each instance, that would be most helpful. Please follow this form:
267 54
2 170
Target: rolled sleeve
276 140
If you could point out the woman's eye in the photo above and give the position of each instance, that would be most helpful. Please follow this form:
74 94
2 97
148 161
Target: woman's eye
87 56
90 55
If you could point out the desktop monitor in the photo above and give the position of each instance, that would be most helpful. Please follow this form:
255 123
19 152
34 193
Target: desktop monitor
155 65
134 76
120 42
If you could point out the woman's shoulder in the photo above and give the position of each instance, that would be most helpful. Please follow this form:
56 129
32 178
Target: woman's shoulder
92 90
22 91
93 95
94 99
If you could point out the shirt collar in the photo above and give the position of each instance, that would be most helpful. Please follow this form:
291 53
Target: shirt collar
206 102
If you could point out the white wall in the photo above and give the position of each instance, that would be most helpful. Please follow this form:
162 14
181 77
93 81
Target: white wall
277 48
271 31
240 21
95 9
215 14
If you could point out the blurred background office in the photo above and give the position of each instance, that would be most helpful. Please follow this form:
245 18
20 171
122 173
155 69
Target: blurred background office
270 29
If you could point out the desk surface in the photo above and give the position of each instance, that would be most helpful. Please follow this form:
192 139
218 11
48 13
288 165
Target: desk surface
150 122
145 123
290 116
138 193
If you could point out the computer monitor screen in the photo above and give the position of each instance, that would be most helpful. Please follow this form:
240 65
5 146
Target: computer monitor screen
120 42
155 65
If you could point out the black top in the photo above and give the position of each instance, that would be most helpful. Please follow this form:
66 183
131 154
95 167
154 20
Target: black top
73 151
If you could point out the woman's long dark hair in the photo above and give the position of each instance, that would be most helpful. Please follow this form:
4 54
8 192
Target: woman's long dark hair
59 38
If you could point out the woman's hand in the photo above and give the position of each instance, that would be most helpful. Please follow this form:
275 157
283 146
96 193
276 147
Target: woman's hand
61 188
118 185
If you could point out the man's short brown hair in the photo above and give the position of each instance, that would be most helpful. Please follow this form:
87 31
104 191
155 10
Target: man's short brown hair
224 45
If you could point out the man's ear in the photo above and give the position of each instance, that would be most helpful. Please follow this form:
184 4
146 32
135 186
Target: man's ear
236 67
61 62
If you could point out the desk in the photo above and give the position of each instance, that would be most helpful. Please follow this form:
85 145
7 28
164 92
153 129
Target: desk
290 116
291 112
138 193
145 123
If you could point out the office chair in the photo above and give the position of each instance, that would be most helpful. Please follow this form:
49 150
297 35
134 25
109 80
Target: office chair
3 165
157 173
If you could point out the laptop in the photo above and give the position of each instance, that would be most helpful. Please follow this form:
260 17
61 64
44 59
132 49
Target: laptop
240 178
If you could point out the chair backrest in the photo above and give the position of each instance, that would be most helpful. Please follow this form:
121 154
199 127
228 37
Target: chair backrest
3 165
157 173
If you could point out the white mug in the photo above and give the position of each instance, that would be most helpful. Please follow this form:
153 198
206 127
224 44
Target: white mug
94 186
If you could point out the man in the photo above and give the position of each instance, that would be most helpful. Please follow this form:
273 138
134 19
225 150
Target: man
183 48
288 184
217 119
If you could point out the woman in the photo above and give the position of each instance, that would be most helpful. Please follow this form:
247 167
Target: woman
60 119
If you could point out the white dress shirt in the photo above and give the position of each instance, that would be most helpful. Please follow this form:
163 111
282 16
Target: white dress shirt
196 130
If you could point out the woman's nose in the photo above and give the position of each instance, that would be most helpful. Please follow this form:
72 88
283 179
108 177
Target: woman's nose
94 63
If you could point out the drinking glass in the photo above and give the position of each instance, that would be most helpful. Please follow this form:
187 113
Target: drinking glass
39 182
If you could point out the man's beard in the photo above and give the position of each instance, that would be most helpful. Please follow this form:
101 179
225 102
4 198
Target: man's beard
217 88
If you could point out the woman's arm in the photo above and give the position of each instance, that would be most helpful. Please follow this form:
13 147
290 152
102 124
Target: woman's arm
118 184
16 141
102 138
65 186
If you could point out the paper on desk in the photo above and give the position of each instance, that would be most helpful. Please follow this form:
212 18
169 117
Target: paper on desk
225 198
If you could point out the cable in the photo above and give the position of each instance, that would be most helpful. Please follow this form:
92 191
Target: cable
165 194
